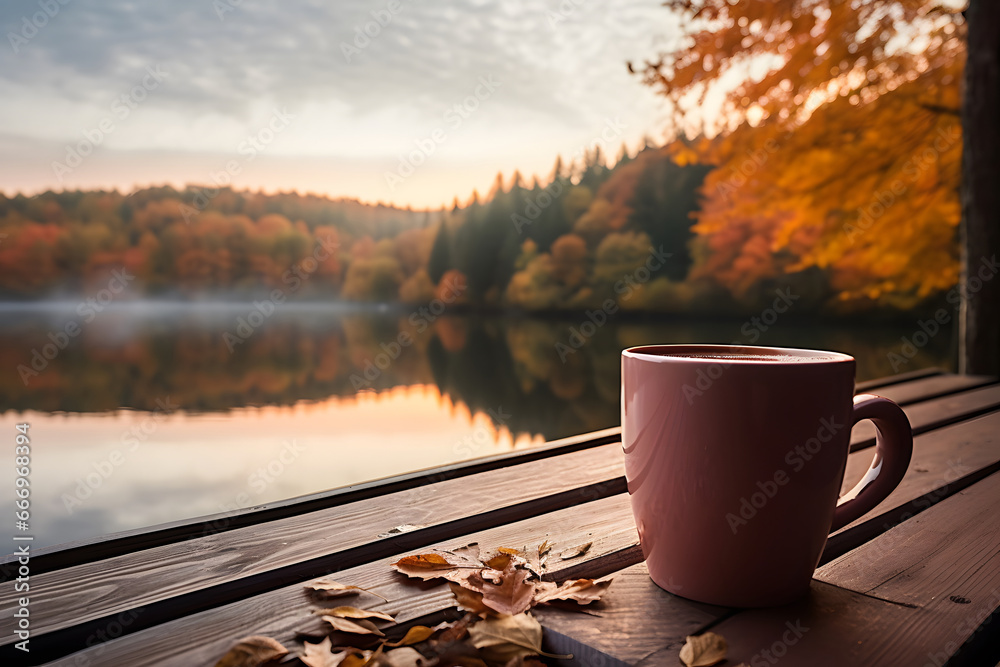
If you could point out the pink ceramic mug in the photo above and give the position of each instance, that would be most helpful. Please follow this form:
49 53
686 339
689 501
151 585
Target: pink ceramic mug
735 457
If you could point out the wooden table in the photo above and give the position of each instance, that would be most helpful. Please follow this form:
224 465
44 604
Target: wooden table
915 582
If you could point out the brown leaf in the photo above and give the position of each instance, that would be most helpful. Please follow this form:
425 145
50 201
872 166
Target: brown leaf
353 612
576 551
468 599
582 591
322 655
704 650
513 595
330 588
544 548
354 626
251 652
504 638
452 565
414 635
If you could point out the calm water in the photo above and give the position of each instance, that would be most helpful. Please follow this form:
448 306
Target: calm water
153 412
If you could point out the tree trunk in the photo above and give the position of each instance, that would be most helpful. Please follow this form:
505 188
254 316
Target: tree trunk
979 350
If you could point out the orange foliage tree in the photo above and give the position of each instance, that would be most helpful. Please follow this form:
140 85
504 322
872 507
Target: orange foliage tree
840 141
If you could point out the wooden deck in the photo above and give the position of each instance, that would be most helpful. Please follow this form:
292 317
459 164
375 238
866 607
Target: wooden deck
915 582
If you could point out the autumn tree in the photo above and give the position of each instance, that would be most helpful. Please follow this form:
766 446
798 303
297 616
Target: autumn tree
840 140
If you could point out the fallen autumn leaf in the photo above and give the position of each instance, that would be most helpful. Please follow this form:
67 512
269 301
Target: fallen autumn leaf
252 652
704 650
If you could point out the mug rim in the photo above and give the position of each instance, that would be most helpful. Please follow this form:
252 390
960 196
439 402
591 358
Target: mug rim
665 354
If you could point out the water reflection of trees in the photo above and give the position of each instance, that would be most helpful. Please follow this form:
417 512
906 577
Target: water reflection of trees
507 366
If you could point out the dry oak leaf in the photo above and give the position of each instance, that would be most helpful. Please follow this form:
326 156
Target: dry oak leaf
330 588
513 595
251 652
504 638
414 635
576 551
704 650
581 591
359 626
354 612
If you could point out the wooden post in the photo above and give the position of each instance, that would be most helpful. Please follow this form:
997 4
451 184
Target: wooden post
979 331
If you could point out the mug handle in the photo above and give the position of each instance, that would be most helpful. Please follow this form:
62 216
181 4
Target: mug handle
893 448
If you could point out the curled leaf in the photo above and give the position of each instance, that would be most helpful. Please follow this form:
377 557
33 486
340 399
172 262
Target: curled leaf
451 565
581 591
359 626
504 638
414 635
704 650
576 551
251 652
354 612
330 588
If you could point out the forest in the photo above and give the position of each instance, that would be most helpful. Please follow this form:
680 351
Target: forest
834 176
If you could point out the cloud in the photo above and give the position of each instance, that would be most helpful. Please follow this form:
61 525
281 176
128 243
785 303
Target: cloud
561 64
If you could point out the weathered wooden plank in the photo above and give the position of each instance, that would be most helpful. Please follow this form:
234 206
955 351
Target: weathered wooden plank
929 415
617 549
86 551
320 541
201 638
928 388
868 385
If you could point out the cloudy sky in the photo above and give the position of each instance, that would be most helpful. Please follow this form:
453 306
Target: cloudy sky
294 95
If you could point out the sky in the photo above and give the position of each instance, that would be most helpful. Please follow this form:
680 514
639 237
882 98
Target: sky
401 101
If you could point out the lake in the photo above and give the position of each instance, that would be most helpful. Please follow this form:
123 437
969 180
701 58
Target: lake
154 411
